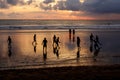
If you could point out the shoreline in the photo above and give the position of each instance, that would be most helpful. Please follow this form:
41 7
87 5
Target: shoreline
64 73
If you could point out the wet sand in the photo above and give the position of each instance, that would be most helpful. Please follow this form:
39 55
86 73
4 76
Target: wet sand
64 73
24 56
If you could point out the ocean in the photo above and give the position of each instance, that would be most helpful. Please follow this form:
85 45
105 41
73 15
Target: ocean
58 24
23 53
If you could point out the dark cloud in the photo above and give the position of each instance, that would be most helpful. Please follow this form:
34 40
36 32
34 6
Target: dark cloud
90 6
12 2
93 6
60 5
3 4
101 6
29 2
45 7
48 1
7 3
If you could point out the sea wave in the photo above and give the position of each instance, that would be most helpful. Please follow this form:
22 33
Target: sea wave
53 27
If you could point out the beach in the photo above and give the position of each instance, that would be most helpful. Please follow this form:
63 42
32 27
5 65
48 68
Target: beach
64 73
22 57
25 55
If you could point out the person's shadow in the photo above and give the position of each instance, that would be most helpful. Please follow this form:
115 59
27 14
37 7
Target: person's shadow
34 44
78 54
96 52
56 50
44 57
9 50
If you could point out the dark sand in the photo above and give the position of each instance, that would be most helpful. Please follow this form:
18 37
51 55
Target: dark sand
64 73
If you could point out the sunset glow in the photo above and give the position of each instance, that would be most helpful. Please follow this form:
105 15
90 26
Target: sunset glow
58 9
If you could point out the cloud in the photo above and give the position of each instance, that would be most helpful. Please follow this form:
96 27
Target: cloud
93 6
48 1
12 2
3 4
8 3
101 6
88 6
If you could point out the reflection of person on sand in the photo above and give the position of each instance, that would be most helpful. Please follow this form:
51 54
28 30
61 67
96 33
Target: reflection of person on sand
44 57
78 55
9 51
96 52
35 48
44 45
56 51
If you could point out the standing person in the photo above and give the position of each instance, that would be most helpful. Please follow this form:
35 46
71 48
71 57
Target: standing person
78 42
44 45
91 42
97 40
9 40
69 34
54 40
91 38
9 46
34 37
57 42
73 35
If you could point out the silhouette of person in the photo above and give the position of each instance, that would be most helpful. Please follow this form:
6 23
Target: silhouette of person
54 40
91 38
9 40
73 31
97 40
70 34
44 45
34 37
73 35
96 43
9 46
34 43
78 42
57 42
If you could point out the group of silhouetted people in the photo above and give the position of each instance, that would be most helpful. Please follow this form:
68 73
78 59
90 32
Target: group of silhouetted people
56 46
72 34
95 44
94 41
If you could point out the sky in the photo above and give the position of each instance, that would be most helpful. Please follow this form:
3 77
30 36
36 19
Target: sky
60 9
